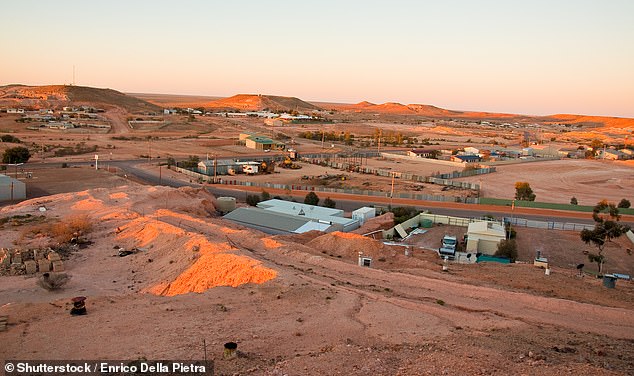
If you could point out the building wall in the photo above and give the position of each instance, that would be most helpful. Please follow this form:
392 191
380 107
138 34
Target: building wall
482 243
19 189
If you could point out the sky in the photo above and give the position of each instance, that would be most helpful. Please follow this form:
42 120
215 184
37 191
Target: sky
528 57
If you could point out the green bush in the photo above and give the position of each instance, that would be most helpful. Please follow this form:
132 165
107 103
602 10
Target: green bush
507 248
253 200
311 199
17 154
330 203
10 138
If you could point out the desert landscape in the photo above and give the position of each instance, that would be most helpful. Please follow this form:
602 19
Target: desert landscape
167 276
203 278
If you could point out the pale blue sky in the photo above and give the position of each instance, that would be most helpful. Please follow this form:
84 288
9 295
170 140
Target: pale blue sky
531 57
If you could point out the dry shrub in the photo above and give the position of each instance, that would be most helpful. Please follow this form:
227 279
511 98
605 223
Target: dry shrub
70 227
52 281
62 231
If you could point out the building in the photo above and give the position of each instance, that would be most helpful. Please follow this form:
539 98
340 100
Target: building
422 153
611 154
466 158
471 150
280 216
363 214
484 237
219 167
263 143
11 189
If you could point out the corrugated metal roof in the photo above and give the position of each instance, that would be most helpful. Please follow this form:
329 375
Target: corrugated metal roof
267 219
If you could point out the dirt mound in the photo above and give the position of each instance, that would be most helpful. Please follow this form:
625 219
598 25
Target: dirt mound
382 222
300 238
252 102
348 245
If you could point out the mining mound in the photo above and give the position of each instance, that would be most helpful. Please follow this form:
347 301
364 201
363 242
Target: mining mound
382 222
348 245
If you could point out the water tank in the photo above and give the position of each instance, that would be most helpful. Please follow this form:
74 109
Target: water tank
226 204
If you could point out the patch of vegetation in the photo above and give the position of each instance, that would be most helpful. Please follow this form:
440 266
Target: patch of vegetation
329 203
10 138
605 229
311 199
440 302
19 220
62 232
191 162
80 148
17 154
403 213
524 192
253 200
624 204
507 248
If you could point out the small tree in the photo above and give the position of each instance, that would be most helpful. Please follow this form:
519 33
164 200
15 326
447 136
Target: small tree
17 154
624 204
523 191
606 228
596 144
265 195
329 203
311 199
253 200
10 138
573 201
507 248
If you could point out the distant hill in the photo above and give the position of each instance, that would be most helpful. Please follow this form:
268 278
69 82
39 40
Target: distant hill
430 111
252 102
62 95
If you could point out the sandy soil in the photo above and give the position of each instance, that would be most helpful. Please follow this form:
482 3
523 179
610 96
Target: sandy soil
402 317
589 181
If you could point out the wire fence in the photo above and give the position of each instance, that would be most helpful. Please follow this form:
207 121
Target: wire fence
548 225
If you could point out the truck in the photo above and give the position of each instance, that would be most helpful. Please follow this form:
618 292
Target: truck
448 246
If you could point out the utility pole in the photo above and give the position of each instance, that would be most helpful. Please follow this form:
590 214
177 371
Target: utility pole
512 218
160 174
323 137
392 191
378 149
149 149
215 167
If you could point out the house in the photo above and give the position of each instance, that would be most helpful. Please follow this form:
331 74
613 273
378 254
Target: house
484 237
274 122
466 158
627 153
471 150
568 152
263 143
546 151
15 110
421 153
611 154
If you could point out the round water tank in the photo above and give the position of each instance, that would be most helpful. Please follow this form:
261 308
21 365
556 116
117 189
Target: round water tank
226 204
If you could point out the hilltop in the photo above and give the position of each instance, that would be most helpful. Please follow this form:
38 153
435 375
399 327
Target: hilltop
430 111
253 102
63 95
